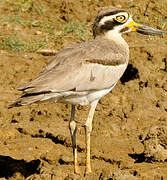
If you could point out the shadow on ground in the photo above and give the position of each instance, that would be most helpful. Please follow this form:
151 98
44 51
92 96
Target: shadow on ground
10 166
131 73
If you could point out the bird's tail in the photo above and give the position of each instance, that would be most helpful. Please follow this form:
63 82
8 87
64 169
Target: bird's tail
26 99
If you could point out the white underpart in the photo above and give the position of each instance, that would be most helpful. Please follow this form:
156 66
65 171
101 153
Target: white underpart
85 99
82 98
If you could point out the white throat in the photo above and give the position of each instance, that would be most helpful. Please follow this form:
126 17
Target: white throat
113 34
116 37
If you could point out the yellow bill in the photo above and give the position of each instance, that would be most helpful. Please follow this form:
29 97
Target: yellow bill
143 29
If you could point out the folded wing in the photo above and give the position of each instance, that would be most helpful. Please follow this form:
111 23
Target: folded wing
87 66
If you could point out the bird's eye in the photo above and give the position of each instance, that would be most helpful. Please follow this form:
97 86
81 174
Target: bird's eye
120 18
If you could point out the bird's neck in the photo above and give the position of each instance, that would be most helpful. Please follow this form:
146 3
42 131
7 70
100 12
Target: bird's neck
115 36
115 39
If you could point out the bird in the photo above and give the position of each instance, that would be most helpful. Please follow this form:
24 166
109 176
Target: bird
81 74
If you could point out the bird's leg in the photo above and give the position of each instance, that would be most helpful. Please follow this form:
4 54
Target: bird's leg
88 129
73 130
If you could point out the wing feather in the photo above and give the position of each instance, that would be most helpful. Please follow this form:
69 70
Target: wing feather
87 66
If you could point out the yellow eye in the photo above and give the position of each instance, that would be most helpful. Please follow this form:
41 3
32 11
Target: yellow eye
120 18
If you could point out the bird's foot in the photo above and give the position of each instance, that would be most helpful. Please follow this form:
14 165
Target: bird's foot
87 171
77 170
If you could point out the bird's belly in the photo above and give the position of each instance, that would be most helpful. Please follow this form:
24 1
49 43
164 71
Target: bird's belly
86 98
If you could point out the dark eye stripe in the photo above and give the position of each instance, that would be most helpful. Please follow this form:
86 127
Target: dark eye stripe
109 25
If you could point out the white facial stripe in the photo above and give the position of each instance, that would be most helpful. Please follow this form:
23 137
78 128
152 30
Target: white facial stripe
107 18
118 28
116 31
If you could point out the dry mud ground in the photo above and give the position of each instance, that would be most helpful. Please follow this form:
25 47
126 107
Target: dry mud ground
129 137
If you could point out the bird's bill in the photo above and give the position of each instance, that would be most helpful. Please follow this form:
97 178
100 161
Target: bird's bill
144 29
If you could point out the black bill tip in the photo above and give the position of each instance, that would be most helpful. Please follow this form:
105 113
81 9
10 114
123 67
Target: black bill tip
148 30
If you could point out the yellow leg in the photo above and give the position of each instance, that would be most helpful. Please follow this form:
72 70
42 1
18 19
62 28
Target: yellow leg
73 131
88 129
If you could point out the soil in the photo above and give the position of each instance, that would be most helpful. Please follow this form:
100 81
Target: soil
129 137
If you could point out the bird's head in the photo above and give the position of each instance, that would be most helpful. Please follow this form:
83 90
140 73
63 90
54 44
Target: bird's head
116 21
